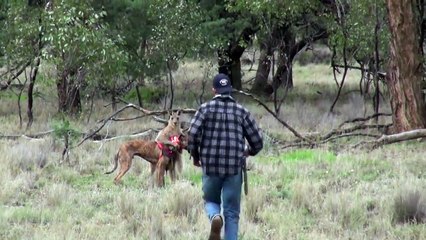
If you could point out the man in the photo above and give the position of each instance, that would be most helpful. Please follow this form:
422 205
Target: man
217 143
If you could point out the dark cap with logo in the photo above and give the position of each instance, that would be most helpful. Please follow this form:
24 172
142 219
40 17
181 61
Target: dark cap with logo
222 84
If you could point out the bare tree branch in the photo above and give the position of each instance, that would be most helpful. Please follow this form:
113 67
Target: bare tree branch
276 117
31 136
133 106
364 119
15 75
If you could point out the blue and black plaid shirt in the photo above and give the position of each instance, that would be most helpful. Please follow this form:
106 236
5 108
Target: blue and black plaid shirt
218 134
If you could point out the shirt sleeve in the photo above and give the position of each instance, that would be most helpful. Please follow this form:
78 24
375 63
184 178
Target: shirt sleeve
195 133
253 135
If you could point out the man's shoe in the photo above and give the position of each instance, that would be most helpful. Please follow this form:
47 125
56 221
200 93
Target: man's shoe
216 227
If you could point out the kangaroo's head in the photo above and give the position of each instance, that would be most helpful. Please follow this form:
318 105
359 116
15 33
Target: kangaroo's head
174 119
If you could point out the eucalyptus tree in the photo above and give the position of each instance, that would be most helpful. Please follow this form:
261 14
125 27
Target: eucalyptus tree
21 41
405 72
67 36
78 45
3 14
156 35
229 32
359 39
285 27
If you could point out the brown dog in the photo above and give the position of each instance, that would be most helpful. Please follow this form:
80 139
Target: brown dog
161 157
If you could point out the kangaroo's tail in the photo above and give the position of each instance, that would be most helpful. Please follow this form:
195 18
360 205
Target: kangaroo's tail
115 163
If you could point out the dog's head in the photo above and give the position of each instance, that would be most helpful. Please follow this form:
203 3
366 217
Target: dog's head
174 119
183 139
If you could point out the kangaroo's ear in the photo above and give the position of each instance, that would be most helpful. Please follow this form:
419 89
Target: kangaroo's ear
169 112
178 112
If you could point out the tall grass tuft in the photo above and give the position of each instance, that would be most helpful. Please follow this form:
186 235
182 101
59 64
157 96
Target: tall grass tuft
255 202
126 203
183 200
28 157
410 207
156 228
57 194
346 211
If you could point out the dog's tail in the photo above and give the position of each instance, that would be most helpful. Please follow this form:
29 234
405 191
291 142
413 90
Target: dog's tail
115 163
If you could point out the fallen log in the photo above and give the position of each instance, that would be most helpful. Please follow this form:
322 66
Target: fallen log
394 138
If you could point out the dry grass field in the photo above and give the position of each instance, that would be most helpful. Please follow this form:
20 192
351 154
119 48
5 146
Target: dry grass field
323 193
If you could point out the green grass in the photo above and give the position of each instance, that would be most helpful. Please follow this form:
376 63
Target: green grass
302 155
27 214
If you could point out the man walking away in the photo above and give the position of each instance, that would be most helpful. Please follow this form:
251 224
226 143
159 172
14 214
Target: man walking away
217 142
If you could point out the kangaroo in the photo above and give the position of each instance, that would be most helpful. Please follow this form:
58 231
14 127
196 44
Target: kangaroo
170 132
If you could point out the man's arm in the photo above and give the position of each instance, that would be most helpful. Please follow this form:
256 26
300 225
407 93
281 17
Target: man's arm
253 135
194 136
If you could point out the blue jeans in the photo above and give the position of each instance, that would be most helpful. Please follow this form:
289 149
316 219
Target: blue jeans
224 191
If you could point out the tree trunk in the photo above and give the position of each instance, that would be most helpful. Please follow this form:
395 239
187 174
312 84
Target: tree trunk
236 76
260 85
405 70
68 87
141 78
33 76
230 64
229 59
62 88
74 100
284 73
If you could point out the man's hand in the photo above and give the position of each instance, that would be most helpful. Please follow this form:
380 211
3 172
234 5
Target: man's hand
196 162
246 151
196 158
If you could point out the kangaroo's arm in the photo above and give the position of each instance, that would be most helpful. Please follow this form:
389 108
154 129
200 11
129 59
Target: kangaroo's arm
164 139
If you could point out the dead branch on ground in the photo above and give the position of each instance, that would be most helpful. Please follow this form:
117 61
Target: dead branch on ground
29 136
340 132
393 138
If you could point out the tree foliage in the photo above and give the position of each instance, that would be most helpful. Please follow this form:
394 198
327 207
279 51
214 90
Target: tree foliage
110 44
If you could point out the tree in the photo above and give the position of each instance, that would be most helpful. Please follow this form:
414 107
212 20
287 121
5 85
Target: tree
22 44
157 34
78 44
283 34
405 72
229 31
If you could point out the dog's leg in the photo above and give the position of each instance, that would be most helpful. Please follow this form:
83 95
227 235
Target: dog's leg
153 166
125 164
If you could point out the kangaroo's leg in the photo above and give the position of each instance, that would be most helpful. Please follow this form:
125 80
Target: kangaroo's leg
161 170
178 164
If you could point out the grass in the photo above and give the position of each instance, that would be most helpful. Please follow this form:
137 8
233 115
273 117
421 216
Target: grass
319 193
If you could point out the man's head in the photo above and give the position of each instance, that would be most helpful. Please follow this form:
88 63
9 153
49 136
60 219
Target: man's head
222 84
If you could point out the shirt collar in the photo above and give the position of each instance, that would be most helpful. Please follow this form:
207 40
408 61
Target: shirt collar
223 96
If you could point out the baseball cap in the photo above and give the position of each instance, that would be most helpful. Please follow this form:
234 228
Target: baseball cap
222 83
